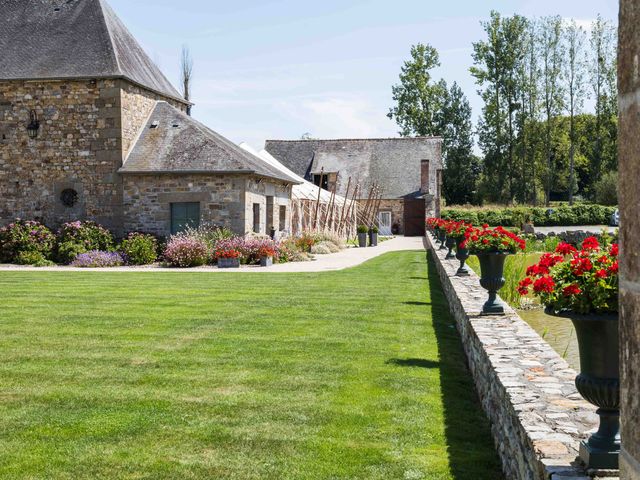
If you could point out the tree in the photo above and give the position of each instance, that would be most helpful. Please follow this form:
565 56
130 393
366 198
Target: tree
552 89
602 60
186 73
497 61
574 65
461 167
418 99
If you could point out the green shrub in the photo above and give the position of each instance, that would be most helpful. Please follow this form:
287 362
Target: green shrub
606 189
363 229
582 214
35 259
75 238
139 249
22 240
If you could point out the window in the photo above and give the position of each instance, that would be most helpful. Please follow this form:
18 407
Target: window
184 215
69 197
256 218
321 180
282 224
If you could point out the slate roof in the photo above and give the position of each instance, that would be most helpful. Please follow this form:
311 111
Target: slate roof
391 163
58 39
173 142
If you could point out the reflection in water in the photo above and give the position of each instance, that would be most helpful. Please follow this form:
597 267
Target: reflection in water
558 332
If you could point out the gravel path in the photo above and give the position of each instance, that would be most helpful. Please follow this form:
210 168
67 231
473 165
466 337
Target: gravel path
349 257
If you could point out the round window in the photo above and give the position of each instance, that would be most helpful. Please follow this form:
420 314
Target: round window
69 197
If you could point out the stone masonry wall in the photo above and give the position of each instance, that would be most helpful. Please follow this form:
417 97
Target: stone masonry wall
257 191
629 167
537 416
78 147
148 198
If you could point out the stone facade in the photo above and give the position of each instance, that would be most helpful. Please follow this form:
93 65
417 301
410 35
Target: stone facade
629 188
86 127
537 416
225 200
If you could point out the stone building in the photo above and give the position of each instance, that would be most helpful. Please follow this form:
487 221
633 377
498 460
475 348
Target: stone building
629 188
408 171
91 129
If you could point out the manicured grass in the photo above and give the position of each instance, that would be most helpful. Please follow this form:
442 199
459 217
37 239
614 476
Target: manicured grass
357 374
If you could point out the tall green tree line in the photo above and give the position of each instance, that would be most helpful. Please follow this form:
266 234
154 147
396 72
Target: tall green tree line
535 77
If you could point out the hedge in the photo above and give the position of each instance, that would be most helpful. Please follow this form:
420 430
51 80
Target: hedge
587 214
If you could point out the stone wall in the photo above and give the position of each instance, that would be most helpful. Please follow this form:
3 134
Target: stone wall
78 146
629 168
148 198
537 416
257 191
86 127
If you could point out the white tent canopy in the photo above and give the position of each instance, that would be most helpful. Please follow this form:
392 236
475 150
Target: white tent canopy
310 201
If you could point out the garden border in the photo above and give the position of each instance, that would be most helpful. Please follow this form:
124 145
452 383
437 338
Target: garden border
526 389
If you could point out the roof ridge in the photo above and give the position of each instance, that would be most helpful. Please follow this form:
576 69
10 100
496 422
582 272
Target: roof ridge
369 139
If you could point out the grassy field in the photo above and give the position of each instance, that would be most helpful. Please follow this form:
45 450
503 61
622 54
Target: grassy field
357 374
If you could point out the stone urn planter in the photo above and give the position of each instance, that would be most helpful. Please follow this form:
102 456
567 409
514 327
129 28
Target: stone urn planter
266 261
362 240
450 243
599 383
228 263
462 254
442 237
492 279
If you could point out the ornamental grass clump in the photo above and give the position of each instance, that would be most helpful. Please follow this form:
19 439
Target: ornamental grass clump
582 281
139 249
184 251
98 259
492 240
26 243
78 237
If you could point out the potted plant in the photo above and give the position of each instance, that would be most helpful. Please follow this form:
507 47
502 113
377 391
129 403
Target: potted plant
441 233
266 255
582 286
228 258
457 231
363 230
492 246
450 241
373 236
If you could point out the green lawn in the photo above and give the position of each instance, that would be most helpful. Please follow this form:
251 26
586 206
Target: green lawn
357 374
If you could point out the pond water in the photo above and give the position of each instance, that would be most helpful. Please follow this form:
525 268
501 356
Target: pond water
557 332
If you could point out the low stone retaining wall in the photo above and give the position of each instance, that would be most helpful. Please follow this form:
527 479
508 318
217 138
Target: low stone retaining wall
526 389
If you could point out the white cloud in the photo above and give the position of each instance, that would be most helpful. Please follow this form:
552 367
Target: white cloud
337 116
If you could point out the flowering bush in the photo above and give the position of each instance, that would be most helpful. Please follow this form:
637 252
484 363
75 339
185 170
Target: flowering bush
139 249
582 281
75 238
267 252
305 242
26 242
184 251
249 248
487 240
98 259
228 253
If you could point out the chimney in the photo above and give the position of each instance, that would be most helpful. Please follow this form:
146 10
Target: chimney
424 176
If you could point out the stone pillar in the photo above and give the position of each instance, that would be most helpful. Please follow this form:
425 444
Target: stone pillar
629 195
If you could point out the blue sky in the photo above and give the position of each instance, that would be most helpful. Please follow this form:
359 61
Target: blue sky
280 68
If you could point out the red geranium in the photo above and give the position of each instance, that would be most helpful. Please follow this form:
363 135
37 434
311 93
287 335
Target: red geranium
227 253
583 281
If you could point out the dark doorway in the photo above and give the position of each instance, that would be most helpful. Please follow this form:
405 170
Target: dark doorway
414 212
